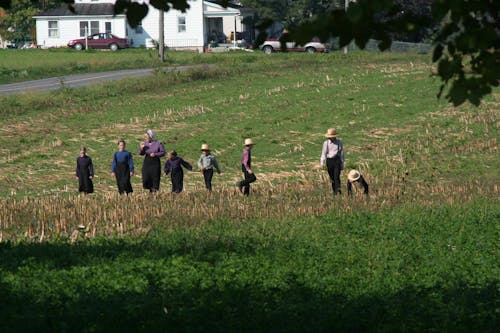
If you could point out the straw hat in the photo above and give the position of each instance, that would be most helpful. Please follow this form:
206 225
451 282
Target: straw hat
331 133
249 142
205 147
353 175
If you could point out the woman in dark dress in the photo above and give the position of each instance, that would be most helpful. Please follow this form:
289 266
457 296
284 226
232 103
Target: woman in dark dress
84 172
151 169
174 166
123 168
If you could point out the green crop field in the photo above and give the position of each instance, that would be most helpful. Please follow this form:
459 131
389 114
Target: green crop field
419 254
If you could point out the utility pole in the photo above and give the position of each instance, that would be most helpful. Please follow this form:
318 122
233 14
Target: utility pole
346 6
161 41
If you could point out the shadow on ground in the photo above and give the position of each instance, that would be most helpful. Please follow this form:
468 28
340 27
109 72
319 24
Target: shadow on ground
223 306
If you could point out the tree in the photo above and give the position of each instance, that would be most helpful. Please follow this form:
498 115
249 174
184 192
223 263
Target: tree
467 42
17 25
291 12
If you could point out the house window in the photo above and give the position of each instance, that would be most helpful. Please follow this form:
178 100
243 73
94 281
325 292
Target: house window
94 27
138 28
53 29
107 28
181 24
84 28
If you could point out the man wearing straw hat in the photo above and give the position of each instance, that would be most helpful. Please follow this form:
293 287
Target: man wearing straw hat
246 167
207 163
333 154
354 176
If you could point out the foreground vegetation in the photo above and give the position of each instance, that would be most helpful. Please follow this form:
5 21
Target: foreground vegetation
408 269
417 255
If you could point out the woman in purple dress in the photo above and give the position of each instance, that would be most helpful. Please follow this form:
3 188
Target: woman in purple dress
151 169
84 172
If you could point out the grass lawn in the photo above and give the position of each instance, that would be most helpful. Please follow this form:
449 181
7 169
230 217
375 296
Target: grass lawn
420 254
22 65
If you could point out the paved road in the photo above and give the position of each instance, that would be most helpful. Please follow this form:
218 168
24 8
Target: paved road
80 80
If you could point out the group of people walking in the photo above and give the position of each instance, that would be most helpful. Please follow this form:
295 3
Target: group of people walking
122 167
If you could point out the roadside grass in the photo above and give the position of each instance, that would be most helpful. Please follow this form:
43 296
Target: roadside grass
23 65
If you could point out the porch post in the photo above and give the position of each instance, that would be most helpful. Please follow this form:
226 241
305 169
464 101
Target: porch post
234 39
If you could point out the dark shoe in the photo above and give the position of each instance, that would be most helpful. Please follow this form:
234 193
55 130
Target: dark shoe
240 187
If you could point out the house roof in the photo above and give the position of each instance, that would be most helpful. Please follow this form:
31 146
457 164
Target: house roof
234 5
80 9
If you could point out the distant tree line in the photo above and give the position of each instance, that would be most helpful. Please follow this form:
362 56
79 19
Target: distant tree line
296 12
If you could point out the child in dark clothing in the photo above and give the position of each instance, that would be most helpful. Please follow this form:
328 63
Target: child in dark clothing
353 177
174 166
84 172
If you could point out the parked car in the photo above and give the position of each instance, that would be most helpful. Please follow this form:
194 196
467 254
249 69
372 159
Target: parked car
273 45
100 41
19 44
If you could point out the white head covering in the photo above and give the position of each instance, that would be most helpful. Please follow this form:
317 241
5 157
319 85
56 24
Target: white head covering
151 134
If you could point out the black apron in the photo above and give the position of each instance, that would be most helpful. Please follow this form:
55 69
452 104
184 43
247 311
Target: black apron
151 172
123 178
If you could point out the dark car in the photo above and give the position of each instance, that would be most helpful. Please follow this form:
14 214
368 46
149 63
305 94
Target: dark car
100 41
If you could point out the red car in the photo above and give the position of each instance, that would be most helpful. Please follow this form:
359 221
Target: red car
100 41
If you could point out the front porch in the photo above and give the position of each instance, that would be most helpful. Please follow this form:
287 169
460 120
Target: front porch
227 27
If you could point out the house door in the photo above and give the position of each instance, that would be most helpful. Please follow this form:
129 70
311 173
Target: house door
215 30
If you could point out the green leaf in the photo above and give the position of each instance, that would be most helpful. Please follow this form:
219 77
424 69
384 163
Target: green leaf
136 12
458 93
160 4
439 9
445 69
438 52
355 13
385 43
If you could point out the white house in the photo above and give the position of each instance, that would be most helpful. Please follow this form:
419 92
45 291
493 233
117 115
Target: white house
194 29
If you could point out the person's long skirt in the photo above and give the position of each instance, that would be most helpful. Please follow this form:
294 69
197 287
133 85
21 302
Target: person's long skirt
85 184
151 172
177 177
123 178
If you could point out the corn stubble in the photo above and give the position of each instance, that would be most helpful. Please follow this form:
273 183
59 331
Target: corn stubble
109 214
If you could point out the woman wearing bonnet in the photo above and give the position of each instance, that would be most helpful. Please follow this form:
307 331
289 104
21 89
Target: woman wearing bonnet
151 169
